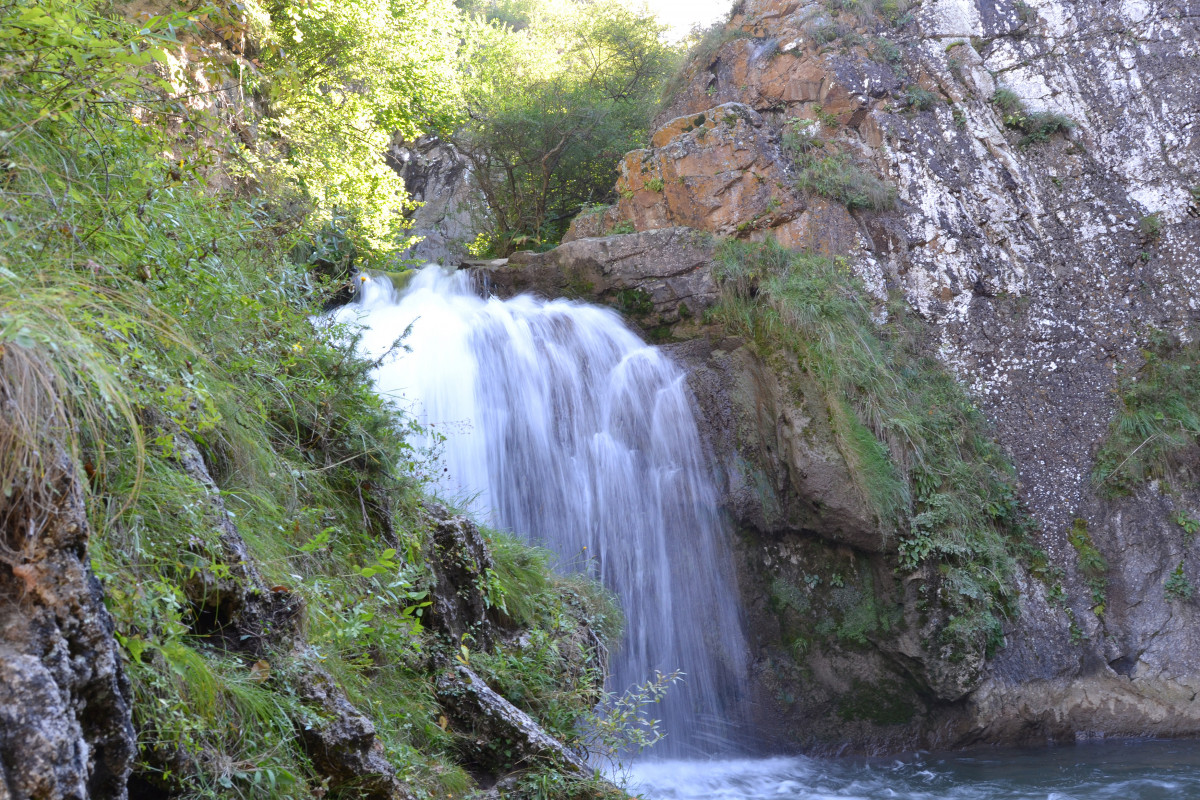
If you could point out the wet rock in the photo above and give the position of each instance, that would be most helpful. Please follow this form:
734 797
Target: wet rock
656 277
65 729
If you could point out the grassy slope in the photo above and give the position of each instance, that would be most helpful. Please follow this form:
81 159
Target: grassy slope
166 304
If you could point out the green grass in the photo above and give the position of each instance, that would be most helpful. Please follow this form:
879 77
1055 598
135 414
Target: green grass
163 305
1092 563
1157 423
822 169
917 448
838 178
1038 126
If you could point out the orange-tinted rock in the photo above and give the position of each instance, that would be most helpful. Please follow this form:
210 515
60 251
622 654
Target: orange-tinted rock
825 227
720 171
592 222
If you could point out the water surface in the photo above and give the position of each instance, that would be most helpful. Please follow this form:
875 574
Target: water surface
1134 770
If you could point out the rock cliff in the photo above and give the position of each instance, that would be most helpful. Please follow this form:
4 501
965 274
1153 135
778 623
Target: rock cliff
1025 178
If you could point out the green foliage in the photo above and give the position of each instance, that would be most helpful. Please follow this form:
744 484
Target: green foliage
1157 419
1092 563
1037 126
916 446
1177 586
164 299
1007 101
1190 525
552 106
1151 225
635 302
886 51
344 76
921 99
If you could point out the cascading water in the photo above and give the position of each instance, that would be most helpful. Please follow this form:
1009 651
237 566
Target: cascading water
560 424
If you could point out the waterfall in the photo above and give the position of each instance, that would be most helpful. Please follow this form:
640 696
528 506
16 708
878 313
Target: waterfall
555 421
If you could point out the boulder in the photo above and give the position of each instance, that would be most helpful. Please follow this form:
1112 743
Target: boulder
720 170
657 277
460 559
500 736
342 743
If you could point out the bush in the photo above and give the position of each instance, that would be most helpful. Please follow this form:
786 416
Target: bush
921 99
1157 419
1037 126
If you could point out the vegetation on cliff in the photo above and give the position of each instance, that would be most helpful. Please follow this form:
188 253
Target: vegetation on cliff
917 447
257 515
1157 426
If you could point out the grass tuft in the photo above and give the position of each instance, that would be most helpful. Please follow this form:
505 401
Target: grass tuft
917 448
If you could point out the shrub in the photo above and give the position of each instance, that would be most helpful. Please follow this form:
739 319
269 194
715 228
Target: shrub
921 99
886 51
1177 586
1157 419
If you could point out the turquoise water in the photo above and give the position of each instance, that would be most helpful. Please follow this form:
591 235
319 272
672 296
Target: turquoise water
1132 770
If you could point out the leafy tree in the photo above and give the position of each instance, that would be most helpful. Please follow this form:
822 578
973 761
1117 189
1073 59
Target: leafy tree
345 75
556 92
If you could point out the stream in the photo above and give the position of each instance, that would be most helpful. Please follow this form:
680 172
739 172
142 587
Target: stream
1126 770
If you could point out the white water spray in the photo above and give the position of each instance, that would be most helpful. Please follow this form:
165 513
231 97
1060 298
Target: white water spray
562 425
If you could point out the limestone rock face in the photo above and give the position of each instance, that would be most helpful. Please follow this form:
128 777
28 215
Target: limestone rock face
719 170
657 277
452 210
65 728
